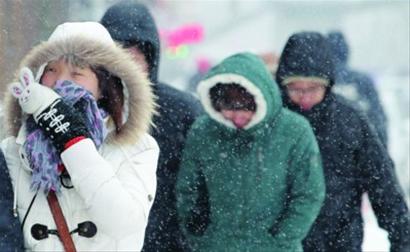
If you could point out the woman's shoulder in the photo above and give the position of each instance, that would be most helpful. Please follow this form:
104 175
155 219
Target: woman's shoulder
145 143
293 125
9 146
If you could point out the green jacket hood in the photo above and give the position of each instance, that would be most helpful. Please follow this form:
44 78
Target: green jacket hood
248 71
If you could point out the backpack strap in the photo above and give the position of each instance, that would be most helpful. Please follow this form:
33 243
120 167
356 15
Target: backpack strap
62 228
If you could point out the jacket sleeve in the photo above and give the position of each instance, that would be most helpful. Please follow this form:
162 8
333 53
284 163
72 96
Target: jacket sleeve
119 201
192 194
386 197
11 236
306 192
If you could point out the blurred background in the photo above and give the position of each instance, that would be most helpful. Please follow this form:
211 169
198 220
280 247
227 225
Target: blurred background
197 34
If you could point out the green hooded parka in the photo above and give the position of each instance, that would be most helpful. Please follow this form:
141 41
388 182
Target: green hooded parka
254 189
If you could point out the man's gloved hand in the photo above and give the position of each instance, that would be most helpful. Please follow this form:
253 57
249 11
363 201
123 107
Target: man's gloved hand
59 121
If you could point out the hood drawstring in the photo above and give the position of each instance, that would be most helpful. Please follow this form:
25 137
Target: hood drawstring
15 213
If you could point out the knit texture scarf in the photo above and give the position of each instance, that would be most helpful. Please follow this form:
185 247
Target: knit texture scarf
43 157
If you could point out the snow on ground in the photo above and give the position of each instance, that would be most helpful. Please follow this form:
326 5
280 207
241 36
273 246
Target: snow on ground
394 94
375 238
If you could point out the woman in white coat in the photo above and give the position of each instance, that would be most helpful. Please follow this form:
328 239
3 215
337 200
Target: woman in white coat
78 140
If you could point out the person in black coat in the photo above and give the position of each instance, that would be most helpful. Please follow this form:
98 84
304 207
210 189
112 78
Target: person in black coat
354 159
356 87
11 236
132 24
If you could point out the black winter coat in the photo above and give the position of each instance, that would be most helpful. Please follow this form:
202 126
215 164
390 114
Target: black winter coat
11 236
354 159
354 162
132 24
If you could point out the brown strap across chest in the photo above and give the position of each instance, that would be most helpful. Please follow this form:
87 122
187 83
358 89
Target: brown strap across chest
62 228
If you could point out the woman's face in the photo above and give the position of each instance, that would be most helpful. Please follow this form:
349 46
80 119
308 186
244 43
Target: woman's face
60 70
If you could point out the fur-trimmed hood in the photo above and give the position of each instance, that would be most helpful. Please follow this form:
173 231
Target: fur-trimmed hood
139 102
248 71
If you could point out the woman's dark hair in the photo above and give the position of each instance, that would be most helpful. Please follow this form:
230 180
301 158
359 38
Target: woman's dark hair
231 96
112 96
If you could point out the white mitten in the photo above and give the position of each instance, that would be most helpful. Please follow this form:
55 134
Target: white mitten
33 97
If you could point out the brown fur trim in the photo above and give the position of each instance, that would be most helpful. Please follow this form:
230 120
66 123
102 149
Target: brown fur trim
141 100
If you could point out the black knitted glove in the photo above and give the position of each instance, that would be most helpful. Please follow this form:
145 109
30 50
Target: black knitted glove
61 123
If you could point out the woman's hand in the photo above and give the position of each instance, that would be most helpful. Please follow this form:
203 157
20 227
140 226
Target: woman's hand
59 121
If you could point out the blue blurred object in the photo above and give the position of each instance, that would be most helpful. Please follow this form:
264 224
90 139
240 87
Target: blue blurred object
11 236
357 87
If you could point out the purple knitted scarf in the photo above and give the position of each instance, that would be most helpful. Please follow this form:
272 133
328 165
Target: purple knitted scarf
42 155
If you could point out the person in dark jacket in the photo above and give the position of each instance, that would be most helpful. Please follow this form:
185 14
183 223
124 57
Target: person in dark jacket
354 159
131 24
356 87
11 236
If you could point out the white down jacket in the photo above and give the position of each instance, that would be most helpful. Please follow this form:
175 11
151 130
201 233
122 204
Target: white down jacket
113 187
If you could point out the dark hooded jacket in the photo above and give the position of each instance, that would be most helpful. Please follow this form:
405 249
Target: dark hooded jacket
356 87
354 159
11 236
132 24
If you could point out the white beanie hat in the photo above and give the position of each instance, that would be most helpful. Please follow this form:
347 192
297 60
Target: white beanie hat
92 30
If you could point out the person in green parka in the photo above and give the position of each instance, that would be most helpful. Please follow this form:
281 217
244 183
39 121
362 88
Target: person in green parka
251 176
